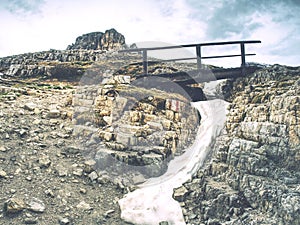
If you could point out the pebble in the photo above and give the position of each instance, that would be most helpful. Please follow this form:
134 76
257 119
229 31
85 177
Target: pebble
89 165
108 213
82 190
78 172
61 170
30 221
54 113
30 106
3 174
93 175
2 149
49 193
64 221
84 206
44 161
36 205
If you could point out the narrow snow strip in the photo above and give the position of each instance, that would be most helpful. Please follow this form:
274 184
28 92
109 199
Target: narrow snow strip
153 202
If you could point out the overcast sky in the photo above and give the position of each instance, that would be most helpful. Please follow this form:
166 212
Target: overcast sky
35 25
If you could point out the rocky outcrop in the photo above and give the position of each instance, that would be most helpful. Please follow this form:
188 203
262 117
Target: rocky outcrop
253 176
109 40
135 128
88 48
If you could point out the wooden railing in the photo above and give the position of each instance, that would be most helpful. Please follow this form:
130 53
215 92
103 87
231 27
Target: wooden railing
198 52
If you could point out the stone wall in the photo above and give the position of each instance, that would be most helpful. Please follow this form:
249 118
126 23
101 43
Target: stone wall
253 176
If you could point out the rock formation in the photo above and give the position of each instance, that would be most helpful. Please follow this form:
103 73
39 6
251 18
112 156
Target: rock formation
253 174
109 40
251 177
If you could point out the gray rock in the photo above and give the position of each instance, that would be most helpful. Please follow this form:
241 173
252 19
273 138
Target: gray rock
30 106
93 175
138 179
35 205
163 223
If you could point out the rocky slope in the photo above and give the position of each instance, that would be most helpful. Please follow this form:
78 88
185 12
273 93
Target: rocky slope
63 113
44 177
253 175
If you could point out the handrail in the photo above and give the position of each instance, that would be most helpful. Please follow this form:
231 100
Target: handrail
198 52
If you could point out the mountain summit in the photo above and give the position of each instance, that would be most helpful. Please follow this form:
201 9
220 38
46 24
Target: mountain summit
110 39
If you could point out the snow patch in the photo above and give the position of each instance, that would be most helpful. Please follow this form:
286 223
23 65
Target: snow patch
152 202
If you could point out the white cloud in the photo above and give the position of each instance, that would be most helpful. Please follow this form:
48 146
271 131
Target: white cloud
56 24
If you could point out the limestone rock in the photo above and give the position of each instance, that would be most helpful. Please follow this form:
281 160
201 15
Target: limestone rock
180 193
3 174
83 206
14 205
54 113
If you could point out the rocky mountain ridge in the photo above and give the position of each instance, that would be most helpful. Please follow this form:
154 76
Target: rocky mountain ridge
87 49
47 176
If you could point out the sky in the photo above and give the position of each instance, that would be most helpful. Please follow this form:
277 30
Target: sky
39 25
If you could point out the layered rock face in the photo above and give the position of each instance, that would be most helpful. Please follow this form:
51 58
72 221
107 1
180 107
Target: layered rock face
109 40
134 128
254 173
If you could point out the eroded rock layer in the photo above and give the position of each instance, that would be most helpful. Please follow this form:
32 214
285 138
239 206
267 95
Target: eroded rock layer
253 176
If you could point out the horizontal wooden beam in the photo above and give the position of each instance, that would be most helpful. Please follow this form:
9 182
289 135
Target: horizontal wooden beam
191 58
191 45
225 56
170 60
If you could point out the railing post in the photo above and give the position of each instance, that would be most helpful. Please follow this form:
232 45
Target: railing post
198 53
243 54
145 62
